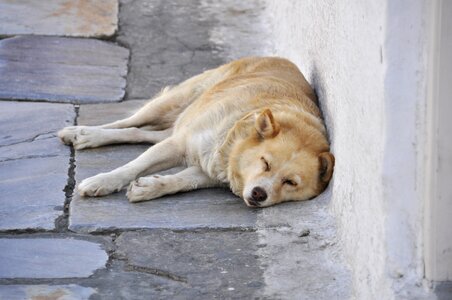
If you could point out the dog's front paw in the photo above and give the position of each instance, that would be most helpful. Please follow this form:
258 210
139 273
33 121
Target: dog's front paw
100 185
81 137
145 188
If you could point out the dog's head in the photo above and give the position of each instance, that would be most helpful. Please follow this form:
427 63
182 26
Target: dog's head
284 158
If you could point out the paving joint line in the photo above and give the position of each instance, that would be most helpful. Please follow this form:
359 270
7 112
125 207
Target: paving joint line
119 231
17 232
153 271
62 222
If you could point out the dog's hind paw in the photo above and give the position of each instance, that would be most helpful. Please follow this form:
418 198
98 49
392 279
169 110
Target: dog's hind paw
67 135
144 188
81 137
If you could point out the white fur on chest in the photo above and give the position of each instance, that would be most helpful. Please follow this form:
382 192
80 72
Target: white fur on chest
205 135
202 150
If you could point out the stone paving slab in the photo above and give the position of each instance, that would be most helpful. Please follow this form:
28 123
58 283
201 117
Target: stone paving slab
443 290
60 69
169 41
120 281
172 40
31 192
34 164
82 18
68 292
47 145
213 209
50 258
211 264
28 122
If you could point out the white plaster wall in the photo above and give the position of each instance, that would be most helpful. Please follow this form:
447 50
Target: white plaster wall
366 60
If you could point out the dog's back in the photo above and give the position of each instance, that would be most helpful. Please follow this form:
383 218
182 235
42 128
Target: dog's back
254 79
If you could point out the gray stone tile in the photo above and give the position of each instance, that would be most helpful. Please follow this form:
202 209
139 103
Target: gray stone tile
26 122
45 147
69 292
211 264
120 281
92 18
50 258
443 290
34 164
62 69
163 36
172 40
213 208
98 114
31 192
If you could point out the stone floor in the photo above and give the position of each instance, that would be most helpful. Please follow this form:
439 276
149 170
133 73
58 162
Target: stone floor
200 245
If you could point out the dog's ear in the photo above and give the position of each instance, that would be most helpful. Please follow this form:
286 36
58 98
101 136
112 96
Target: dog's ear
326 160
266 124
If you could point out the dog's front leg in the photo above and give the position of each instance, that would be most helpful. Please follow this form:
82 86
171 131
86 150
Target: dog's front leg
162 156
147 188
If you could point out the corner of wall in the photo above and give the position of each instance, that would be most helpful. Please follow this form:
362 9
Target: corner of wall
405 100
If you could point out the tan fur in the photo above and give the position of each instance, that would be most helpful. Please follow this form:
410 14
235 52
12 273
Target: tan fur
253 125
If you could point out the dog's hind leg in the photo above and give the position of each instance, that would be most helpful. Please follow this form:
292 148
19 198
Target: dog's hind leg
163 110
82 137
158 114
151 187
164 155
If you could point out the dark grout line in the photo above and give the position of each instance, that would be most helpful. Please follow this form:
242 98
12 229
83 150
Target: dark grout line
119 231
17 232
62 222
156 272
115 39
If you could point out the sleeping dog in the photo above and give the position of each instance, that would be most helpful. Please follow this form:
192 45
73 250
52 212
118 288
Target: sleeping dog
252 125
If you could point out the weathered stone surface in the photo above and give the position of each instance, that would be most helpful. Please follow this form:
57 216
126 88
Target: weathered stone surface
443 290
210 264
26 122
97 114
62 69
34 164
213 208
172 40
120 281
69 292
301 258
50 258
31 192
47 145
84 18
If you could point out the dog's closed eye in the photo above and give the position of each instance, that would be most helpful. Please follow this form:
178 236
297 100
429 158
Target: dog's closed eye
266 164
289 182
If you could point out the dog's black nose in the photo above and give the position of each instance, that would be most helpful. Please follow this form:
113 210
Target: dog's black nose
258 194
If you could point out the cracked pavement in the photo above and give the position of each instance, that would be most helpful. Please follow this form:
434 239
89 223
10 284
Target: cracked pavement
200 245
